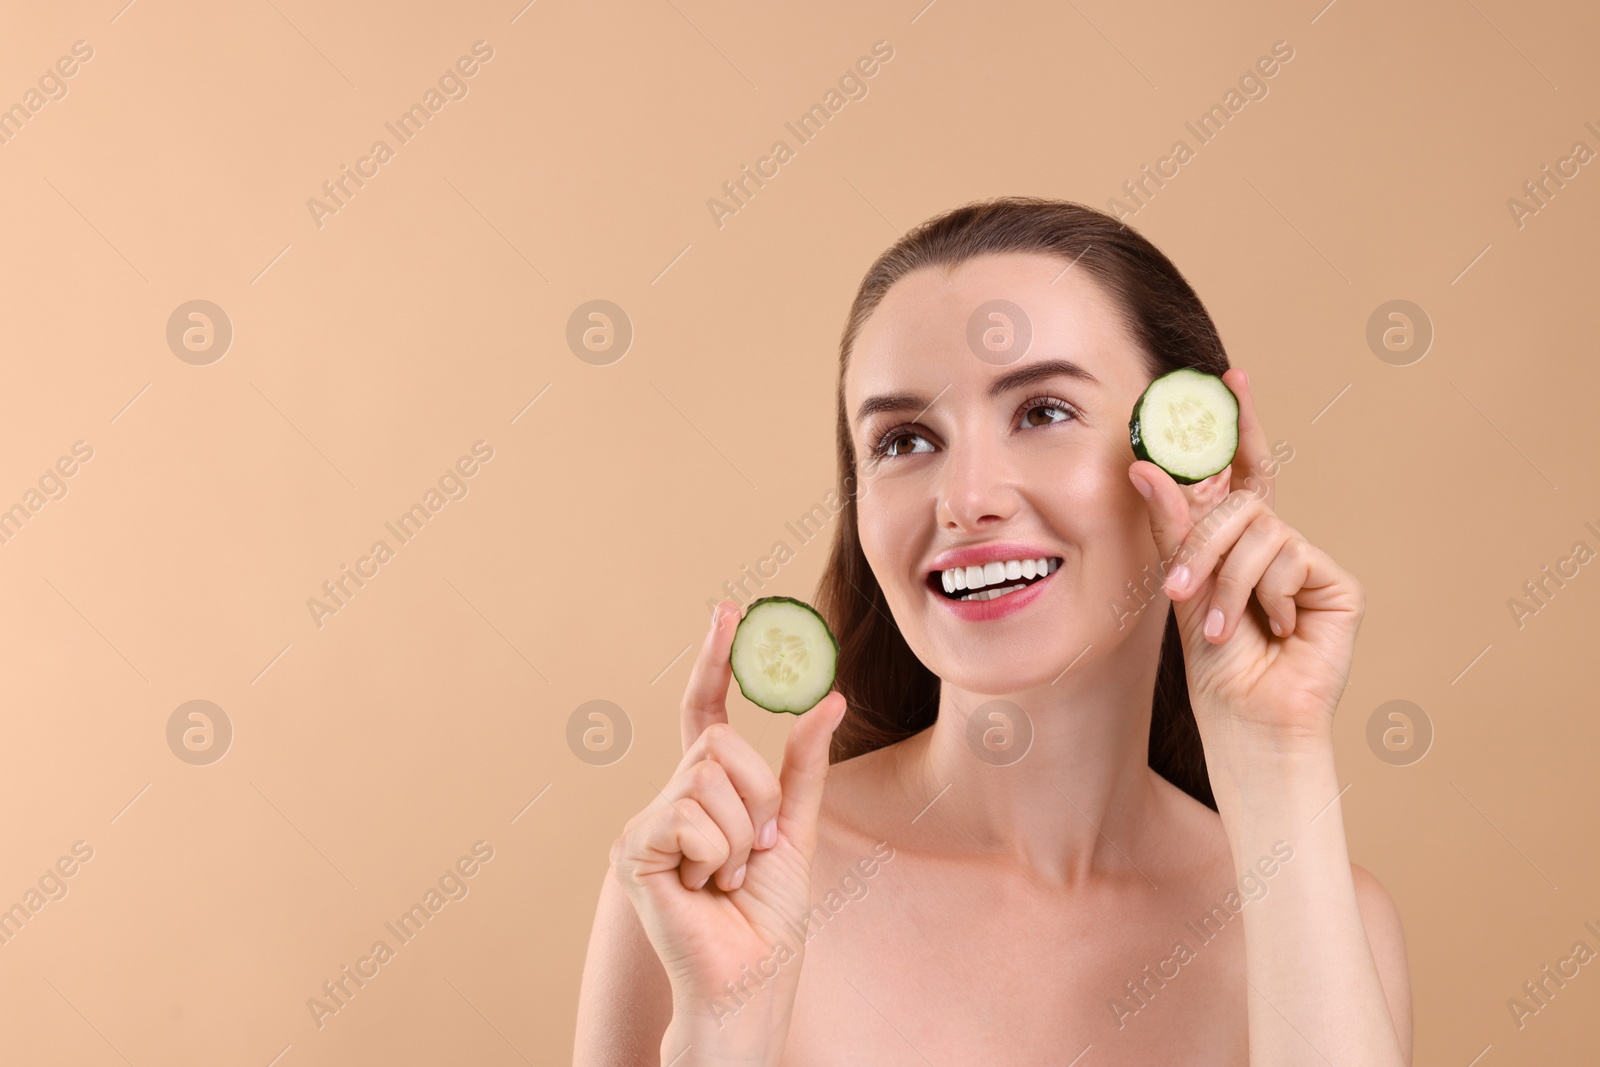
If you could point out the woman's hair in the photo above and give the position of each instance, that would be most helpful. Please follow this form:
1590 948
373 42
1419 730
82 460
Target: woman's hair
891 694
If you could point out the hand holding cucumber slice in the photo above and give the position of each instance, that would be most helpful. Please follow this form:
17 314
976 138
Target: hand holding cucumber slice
783 656
1186 423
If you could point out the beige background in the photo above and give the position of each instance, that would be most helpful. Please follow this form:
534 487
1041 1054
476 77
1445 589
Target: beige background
371 752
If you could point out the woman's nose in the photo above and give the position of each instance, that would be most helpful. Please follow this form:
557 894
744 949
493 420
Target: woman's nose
975 486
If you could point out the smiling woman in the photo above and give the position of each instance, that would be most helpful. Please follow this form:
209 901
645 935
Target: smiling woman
1065 790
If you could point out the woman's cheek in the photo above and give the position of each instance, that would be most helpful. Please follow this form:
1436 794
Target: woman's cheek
1111 528
875 518
1084 499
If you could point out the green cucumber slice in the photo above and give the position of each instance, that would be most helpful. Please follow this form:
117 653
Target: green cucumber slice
1186 423
784 656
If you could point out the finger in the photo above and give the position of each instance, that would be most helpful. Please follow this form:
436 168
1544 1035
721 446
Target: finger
707 784
1170 518
705 700
805 768
1252 467
1285 577
1175 509
1208 541
753 779
1241 570
674 835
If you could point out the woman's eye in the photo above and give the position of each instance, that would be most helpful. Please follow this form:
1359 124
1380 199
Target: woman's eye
890 446
1055 412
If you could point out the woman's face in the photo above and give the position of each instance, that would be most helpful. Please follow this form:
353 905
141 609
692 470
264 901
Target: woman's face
988 448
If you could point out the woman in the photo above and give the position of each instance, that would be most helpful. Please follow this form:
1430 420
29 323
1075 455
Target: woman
1093 819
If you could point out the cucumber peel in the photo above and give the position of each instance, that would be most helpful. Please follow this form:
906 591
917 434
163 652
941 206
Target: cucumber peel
1187 423
784 656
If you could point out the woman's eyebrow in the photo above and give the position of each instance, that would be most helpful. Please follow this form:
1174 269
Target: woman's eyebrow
1031 374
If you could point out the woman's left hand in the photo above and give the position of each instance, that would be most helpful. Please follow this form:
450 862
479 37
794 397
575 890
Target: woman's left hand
1282 682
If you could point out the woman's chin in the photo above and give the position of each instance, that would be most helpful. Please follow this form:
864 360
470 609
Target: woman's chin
1013 674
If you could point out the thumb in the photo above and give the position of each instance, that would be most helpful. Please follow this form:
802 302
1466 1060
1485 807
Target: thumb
1170 518
805 768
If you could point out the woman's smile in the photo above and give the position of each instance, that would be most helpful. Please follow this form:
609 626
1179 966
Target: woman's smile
972 582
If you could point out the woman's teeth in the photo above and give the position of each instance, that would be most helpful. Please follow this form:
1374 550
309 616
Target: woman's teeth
992 594
983 581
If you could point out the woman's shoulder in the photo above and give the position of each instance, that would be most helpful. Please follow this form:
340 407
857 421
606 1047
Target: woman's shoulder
862 793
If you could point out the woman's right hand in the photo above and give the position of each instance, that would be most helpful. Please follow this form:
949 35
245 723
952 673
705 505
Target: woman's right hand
718 867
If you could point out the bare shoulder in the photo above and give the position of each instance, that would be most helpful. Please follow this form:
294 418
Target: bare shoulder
625 1000
1206 838
1387 938
863 786
1194 836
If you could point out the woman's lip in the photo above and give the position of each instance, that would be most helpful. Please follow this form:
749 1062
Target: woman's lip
998 608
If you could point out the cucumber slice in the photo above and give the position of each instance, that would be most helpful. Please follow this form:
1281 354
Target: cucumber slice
1186 423
784 656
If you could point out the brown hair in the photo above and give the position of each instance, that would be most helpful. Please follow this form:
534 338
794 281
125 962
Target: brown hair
891 694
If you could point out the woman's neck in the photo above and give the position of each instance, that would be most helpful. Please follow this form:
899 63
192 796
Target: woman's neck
1074 802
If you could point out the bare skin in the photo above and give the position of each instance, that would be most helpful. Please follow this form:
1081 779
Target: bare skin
970 910
996 961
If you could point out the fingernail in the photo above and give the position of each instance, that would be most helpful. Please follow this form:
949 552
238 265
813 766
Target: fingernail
1276 628
716 616
1214 622
1178 577
769 835
738 877
1144 487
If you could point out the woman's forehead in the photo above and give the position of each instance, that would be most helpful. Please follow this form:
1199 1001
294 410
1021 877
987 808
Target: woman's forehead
987 316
